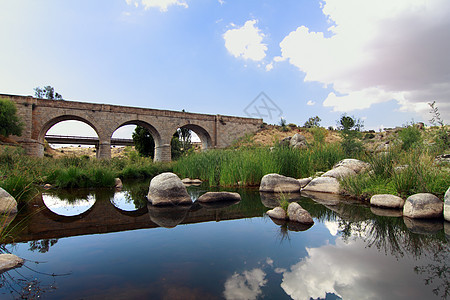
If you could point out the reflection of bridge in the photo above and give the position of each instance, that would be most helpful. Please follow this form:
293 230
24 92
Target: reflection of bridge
79 140
104 217
39 115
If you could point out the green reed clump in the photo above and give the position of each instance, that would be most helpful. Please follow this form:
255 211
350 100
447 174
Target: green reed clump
248 166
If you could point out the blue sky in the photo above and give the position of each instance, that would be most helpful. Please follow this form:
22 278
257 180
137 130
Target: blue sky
381 61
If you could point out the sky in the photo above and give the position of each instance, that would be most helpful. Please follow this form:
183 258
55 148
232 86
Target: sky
381 61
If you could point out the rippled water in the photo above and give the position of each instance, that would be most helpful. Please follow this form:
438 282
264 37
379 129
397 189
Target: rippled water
105 244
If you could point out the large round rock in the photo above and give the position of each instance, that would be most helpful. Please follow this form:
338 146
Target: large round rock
355 164
8 205
277 213
447 205
277 183
297 213
423 206
167 189
387 200
324 185
297 141
339 172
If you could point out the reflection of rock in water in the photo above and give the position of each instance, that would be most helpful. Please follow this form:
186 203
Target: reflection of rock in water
291 226
323 198
272 200
386 212
167 216
423 226
217 205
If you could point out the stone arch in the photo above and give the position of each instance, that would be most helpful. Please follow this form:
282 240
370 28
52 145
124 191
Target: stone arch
54 121
153 131
202 133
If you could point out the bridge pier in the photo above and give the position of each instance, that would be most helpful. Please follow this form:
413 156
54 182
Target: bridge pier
163 153
32 147
103 150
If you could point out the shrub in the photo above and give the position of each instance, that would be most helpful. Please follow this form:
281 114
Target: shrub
409 137
9 121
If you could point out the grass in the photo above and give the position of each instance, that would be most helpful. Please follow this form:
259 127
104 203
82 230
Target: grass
247 166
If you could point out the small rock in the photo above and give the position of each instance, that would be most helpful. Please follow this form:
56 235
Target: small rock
8 205
423 206
277 213
400 168
447 205
355 164
279 184
324 185
47 186
9 261
118 183
298 141
219 196
167 189
386 200
296 213
304 181
339 172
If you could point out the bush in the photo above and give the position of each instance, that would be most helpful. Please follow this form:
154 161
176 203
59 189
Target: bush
9 121
409 137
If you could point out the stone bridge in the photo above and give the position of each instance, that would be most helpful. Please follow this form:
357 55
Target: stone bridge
39 115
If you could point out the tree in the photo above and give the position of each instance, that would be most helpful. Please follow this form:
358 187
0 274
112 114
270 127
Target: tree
143 142
47 92
184 136
350 128
9 121
312 122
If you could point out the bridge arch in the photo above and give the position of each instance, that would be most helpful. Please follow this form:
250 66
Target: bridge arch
202 133
50 123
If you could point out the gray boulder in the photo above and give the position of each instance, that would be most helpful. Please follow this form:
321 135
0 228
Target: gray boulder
298 141
219 196
189 181
9 261
355 164
296 213
339 172
276 183
8 205
386 200
304 181
324 185
277 213
447 205
167 189
423 206
118 183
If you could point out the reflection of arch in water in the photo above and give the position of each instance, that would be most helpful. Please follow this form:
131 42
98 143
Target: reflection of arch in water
54 208
126 209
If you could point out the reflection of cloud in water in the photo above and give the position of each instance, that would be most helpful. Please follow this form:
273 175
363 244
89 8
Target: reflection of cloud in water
65 208
352 271
332 226
122 200
246 285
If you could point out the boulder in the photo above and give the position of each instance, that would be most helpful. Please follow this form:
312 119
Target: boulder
276 183
324 185
277 213
118 183
191 181
386 200
447 205
8 205
339 172
355 164
423 206
219 197
47 186
297 141
167 189
304 181
296 213
9 261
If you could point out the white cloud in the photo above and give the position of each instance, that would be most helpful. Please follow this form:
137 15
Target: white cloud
310 103
161 4
353 271
378 51
246 41
269 67
246 285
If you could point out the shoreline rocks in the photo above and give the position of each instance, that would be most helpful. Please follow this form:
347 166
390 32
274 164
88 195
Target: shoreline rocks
324 185
423 206
167 189
387 200
295 213
447 205
9 261
8 205
276 183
